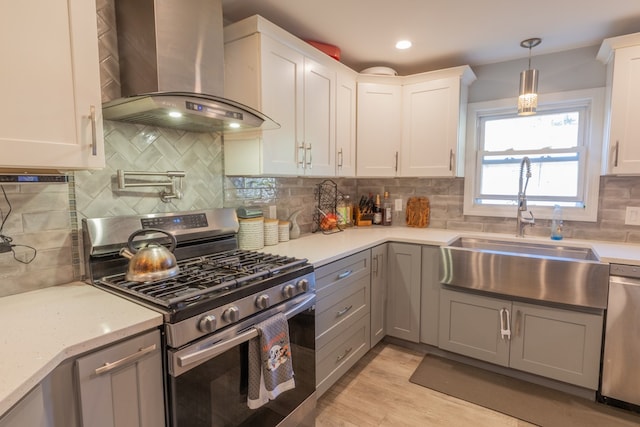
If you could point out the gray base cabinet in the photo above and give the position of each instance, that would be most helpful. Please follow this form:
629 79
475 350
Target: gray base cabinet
561 344
30 411
342 317
430 295
121 385
403 281
378 293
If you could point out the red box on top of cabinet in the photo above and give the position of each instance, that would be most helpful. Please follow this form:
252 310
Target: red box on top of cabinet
331 50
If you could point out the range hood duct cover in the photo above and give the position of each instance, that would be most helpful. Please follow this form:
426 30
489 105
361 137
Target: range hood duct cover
171 55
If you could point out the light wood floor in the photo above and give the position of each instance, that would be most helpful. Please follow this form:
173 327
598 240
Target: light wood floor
377 392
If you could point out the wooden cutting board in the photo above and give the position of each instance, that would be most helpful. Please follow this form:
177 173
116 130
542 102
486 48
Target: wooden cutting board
418 212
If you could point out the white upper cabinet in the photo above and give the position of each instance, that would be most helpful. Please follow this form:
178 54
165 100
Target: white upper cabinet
379 128
346 123
622 150
292 83
413 126
50 115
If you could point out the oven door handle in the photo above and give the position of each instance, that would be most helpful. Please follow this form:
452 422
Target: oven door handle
222 346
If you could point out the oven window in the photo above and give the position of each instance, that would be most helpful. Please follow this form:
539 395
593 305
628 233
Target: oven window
215 392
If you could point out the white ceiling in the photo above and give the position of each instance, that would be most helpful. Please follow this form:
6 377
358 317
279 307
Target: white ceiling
445 33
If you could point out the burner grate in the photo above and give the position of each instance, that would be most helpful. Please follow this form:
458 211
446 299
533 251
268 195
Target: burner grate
208 276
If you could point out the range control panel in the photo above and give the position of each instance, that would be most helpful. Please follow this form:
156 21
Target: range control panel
177 222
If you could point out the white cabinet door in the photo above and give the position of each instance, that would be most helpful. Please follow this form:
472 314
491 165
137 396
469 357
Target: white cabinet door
624 131
379 129
50 85
319 119
345 124
282 99
430 128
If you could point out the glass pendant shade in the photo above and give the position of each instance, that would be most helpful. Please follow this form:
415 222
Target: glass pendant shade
528 99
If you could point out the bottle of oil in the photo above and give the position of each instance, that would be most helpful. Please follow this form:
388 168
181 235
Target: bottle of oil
387 210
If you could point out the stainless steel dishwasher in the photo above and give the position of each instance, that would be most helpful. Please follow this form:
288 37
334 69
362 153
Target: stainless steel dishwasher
620 373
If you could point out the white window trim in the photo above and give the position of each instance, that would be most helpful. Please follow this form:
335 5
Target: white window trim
593 143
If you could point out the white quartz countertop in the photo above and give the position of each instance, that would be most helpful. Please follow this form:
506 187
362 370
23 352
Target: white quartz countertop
321 249
43 328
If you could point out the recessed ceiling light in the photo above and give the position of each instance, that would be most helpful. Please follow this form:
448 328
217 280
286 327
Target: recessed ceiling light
403 44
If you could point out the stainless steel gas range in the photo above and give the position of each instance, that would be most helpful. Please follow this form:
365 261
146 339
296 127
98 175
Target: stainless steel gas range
210 309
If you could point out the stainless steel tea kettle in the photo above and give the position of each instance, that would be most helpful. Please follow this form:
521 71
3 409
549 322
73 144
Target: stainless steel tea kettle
151 262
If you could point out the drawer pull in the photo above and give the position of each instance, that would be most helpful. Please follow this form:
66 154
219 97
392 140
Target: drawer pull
343 355
344 311
125 360
345 274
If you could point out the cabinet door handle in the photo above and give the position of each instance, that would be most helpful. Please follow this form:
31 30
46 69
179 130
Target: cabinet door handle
615 159
107 367
340 158
518 325
94 135
310 161
376 269
344 274
299 157
396 166
450 159
505 321
343 355
344 311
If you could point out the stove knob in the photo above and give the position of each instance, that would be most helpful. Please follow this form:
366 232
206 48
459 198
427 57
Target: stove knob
288 291
207 323
303 285
262 301
231 314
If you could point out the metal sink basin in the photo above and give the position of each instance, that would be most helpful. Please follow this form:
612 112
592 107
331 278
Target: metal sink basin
526 248
555 273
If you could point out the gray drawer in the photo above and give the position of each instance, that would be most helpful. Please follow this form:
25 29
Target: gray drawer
332 276
336 312
335 359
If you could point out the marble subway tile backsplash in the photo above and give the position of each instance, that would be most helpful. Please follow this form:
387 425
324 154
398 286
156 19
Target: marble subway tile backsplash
446 203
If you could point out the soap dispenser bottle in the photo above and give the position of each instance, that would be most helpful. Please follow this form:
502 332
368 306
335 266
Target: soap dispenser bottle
556 223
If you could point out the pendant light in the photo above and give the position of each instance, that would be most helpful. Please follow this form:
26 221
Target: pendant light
528 99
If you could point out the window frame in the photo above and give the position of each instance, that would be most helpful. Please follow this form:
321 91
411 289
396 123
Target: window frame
592 100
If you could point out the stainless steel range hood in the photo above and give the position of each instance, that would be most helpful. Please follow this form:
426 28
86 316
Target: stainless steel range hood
171 55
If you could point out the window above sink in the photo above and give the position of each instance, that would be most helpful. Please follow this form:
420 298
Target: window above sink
563 142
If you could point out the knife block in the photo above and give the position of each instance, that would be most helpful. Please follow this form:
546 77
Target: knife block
362 219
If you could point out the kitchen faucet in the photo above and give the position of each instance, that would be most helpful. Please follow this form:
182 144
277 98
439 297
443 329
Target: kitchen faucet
522 199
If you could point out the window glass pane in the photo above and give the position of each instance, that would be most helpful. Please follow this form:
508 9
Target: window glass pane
552 130
553 175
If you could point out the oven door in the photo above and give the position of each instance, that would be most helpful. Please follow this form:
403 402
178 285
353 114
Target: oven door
208 380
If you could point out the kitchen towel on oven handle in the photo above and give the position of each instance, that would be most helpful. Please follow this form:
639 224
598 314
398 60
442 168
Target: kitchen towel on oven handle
270 366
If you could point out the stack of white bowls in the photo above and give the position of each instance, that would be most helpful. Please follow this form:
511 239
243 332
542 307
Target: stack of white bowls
251 233
270 232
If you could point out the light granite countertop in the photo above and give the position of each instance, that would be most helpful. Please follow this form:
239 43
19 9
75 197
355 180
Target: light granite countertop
45 327
322 249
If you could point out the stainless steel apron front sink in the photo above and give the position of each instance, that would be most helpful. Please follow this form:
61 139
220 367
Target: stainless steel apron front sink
554 273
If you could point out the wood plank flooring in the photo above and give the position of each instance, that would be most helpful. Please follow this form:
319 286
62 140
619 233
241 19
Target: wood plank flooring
377 392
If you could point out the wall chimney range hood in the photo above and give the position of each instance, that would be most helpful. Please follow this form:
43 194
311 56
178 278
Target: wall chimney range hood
171 56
